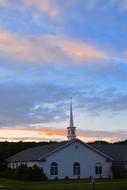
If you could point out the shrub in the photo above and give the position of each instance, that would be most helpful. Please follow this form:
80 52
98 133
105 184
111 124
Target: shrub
119 170
66 178
35 174
25 173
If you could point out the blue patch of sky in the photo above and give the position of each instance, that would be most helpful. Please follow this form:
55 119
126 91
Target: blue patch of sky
76 77
107 27
21 22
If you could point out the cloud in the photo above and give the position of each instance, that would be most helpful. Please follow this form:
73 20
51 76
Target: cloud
81 50
49 7
43 6
56 49
121 3
29 49
109 100
36 102
86 135
52 8
46 134
4 2
51 131
47 48
109 136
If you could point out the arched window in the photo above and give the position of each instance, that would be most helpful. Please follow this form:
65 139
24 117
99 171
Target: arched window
54 169
98 168
76 168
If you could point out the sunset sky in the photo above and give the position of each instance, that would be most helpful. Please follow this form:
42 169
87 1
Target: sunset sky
51 50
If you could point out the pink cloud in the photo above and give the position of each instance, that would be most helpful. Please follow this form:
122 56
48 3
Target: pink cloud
4 2
81 50
48 48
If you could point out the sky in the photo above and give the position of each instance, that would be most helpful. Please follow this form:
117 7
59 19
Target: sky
52 50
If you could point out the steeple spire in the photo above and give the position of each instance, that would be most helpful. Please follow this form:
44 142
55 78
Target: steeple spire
71 129
71 115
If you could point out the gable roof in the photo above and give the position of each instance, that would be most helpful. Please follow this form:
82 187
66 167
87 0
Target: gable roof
40 152
117 151
34 154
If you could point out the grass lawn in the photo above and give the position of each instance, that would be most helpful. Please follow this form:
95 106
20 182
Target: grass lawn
112 184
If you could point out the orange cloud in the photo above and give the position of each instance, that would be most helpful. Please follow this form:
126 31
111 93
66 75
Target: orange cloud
5 37
81 50
44 134
48 48
52 132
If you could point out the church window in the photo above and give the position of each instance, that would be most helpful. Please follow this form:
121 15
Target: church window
54 169
98 168
76 168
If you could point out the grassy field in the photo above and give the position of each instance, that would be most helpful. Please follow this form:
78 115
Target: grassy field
63 185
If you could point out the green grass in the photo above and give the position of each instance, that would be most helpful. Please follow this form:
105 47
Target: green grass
63 185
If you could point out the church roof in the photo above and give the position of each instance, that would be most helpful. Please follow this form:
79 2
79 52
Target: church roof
116 151
113 152
40 152
36 153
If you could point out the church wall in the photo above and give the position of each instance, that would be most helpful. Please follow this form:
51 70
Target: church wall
76 152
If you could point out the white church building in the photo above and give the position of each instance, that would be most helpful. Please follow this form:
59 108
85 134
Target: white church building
67 159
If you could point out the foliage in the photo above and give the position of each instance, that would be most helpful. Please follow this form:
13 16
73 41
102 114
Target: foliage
99 142
121 142
25 173
119 170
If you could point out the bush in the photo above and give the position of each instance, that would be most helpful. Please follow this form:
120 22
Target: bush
66 178
119 170
6 173
25 173
19 173
35 174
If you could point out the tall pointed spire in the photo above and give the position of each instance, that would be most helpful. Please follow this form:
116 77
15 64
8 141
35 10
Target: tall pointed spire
71 115
71 129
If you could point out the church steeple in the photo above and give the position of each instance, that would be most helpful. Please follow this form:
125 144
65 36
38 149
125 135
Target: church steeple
71 129
71 115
